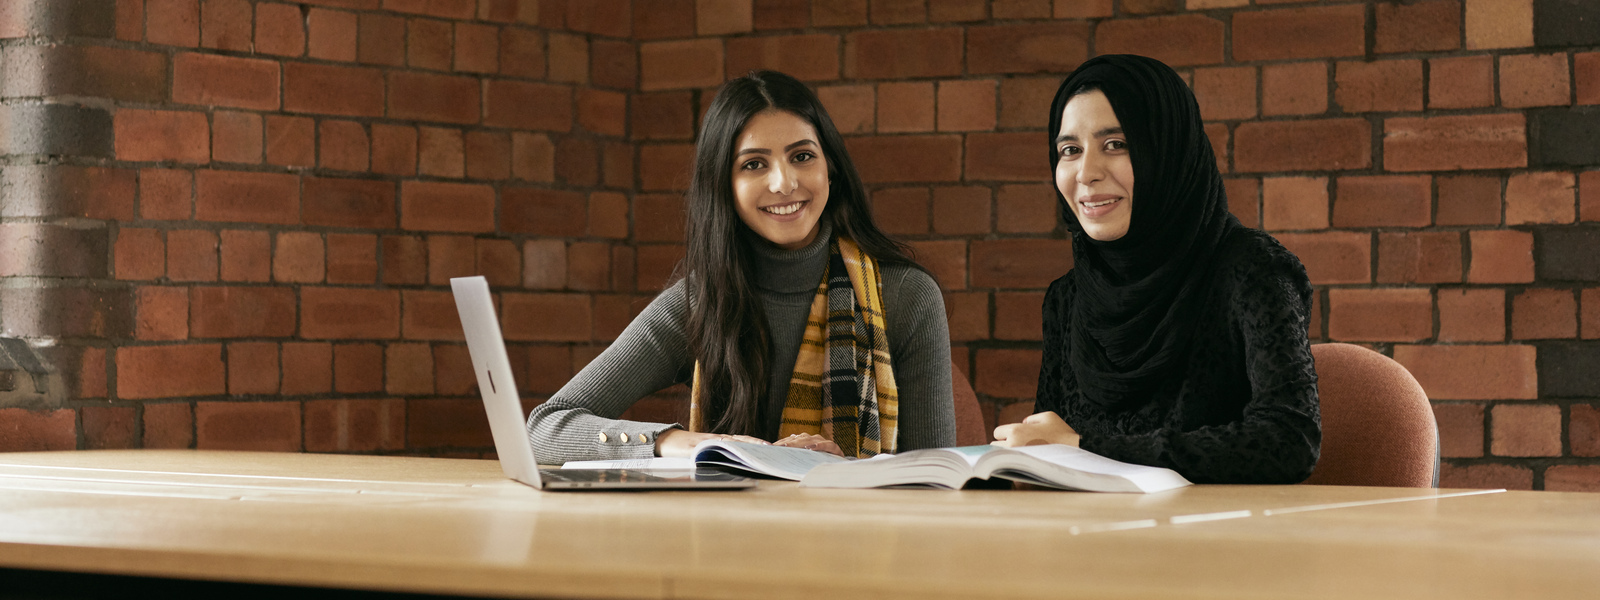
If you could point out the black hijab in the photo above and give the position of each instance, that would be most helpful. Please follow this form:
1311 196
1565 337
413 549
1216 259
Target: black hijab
1137 297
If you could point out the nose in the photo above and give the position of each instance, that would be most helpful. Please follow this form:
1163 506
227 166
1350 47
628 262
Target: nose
782 180
1089 169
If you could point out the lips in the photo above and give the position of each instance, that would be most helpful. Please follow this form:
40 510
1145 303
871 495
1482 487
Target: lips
1098 205
786 211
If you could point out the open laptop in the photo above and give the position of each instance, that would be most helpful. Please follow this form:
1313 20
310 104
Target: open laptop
500 401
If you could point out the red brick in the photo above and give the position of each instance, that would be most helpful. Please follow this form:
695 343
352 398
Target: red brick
1493 372
670 115
352 258
962 210
333 35
109 427
1544 314
589 266
163 313
1589 196
1528 80
1525 430
431 315
477 48
1217 135
247 197
168 426
381 40
1227 93
1244 200
623 267
23 430
544 264
1379 86
522 53
656 265
881 159
307 368
1332 257
356 203
1291 33
158 135
968 315
488 155
1586 77
1461 82
665 167
1027 209
1460 429
1486 476
166 194
905 210
354 425
614 64
500 262
1572 478
1007 373
1022 9
896 12
1591 313
946 259
1420 257
139 254
616 161
298 258
1501 256
1002 156
1042 47
1294 203
1019 316
241 312
1025 101
946 11
1179 41
327 89
447 423
658 19
257 426
1468 200
904 53
408 369
429 206
394 149
680 64
450 256
834 13
543 212
172 22
441 98
1431 25
1019 263
236 137
966 105
546 317
280 29
252 368
191 255
1447 143
211 79
1383 201
603 112
349 313
1294 89
1583 430
612 18
344 146
905 107
1331 144
1541 197
569 58
441 152
428 44
405 260
659 217
811 57
521 105
445 9
291 141
169 371
1380 315
608 215
225 24
246 255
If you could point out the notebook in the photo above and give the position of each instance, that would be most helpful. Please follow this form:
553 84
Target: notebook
504 407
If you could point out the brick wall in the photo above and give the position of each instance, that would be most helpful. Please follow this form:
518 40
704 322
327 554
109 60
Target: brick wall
252 207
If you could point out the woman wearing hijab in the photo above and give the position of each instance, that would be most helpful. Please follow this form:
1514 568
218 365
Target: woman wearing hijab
796 321
1178 339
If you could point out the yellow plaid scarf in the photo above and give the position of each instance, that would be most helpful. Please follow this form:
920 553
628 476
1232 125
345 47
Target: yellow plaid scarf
843 370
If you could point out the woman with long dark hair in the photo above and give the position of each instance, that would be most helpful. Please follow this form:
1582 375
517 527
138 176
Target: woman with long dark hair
1178 339
795 319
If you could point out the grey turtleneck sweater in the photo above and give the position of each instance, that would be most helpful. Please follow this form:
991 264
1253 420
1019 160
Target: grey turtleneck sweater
580 421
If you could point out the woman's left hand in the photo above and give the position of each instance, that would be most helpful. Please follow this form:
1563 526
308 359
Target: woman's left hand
1042 428
810 442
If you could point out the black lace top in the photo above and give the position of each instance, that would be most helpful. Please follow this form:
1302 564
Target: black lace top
1245 410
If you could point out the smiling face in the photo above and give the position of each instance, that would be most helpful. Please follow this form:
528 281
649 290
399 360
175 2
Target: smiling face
780 178
1094 172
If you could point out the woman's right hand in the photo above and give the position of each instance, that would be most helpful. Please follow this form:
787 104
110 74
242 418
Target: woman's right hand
679 443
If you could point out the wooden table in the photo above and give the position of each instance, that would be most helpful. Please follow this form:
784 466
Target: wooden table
457 527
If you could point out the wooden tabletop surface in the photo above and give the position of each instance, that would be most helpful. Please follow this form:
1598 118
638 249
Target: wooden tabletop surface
458 527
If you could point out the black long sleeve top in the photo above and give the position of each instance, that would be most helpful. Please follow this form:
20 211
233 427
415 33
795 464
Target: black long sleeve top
1245 408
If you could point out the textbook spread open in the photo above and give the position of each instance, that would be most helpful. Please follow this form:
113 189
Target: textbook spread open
1054 465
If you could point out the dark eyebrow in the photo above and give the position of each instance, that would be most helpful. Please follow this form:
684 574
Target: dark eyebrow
799 144
1102 133
766 152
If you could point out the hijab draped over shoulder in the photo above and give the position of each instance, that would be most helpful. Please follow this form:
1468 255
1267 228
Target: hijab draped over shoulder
1136 299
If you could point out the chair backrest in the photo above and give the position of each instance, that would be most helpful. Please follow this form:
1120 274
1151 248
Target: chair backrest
1377 424
971 430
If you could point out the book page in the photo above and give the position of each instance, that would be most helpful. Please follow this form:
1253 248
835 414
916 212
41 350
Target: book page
646 464
775 461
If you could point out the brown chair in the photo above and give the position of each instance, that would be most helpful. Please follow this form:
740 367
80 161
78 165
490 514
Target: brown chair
1377 425
971 430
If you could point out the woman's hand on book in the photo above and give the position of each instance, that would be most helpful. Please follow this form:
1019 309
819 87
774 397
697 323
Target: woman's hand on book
1041 428
810 442
680 443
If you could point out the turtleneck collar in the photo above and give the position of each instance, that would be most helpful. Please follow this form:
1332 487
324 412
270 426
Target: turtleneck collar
798 270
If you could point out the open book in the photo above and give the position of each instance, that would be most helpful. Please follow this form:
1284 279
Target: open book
757 459
1054 465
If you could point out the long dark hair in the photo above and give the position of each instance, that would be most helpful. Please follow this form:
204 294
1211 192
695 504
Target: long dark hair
727 330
